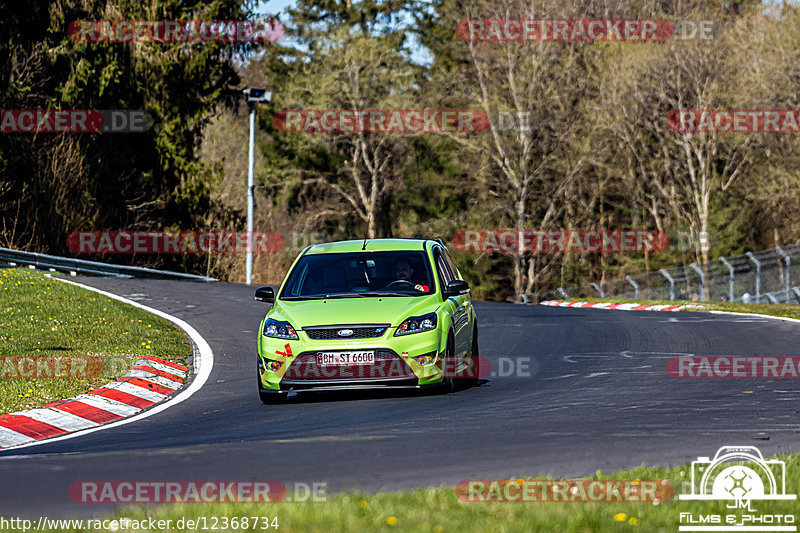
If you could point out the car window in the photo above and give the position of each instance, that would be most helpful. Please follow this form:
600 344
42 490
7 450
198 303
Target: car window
445 276
297 281
341 275
450 263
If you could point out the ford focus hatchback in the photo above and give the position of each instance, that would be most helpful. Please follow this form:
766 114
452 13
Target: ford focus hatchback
367 314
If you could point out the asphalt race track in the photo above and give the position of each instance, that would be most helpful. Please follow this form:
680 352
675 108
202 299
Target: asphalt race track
598 397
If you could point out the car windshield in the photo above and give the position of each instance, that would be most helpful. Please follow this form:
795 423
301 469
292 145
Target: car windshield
358 275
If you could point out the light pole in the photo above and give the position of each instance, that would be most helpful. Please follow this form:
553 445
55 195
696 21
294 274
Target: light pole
253 96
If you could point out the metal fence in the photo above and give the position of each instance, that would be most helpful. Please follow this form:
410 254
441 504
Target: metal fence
80 266
768 276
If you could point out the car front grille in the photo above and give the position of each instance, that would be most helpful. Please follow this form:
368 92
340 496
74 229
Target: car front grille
359 332
388 366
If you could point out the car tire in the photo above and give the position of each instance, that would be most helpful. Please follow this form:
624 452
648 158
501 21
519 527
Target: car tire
268 397
449 380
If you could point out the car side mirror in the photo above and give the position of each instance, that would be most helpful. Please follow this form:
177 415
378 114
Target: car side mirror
455 288
265 294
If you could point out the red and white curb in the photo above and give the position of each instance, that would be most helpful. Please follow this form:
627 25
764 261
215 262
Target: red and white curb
622 306
150 381
139 394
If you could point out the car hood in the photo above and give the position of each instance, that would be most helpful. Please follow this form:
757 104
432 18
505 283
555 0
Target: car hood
346 311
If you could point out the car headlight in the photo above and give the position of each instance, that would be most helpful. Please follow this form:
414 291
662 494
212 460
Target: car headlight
417 324
279 330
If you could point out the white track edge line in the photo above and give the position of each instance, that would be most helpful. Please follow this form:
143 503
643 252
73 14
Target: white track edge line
786 318
717 312
650 307
203 362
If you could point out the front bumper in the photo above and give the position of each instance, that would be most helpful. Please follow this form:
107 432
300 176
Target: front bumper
291 364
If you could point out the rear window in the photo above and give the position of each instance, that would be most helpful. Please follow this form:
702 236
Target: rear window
359 274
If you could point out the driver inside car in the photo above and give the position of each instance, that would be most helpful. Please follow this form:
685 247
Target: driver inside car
405 272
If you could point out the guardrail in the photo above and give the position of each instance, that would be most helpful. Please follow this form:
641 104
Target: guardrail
81 266
755 277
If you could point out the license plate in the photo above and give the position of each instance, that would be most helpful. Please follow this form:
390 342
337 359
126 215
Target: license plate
345 358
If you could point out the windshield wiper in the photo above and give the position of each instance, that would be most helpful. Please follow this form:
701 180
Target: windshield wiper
325 296
376 293
367 294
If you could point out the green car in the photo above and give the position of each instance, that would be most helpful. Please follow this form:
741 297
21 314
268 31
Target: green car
368 314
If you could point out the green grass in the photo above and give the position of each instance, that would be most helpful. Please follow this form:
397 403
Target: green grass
44 318
779 310
439 510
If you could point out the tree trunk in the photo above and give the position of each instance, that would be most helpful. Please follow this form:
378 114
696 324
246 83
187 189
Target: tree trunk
705 248
371 224
519 254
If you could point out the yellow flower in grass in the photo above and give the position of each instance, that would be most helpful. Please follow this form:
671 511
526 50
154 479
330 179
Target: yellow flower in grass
392 520
633 521
363 504
620 517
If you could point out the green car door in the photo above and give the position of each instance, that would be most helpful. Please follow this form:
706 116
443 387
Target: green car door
458 307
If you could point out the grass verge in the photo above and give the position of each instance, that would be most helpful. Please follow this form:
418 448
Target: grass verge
440 510
46 324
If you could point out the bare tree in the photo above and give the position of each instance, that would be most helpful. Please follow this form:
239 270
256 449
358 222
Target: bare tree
528 166
353 72
675 174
